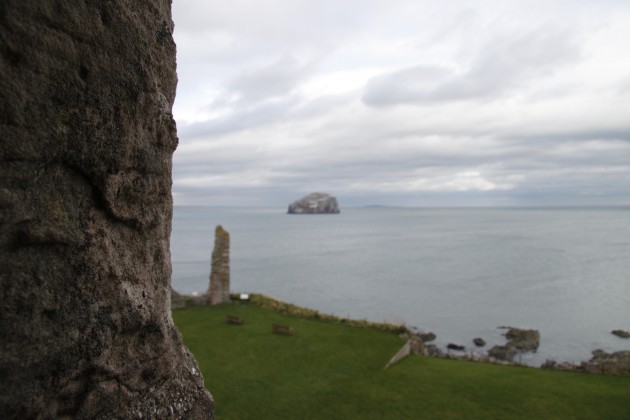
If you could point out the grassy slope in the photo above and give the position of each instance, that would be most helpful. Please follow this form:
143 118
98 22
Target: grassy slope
336 372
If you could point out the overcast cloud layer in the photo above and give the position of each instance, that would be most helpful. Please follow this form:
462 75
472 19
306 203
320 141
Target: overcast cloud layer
403 102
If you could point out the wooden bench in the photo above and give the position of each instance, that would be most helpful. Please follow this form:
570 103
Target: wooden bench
233 319
282 329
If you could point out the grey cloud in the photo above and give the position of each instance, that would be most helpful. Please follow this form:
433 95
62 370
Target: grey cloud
241 119
498 112
570 134
290 108
501 65
562 171
273 80
254 98
373 184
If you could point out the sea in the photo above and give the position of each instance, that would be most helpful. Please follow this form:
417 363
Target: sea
460 273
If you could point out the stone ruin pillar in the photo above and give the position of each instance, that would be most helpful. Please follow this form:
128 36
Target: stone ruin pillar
86 143
219 290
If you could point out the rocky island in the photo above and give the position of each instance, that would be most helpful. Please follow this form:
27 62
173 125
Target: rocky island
315 203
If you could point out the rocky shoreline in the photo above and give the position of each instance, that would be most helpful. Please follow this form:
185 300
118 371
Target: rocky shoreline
519 341
418 342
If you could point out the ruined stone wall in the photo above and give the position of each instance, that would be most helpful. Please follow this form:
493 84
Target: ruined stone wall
86 140
219 289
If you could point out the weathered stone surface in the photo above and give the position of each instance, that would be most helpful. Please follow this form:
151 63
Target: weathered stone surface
177 300
518 340
219 289
456 347
433 350
315 203
617 363
505 353
87 137
479 342
527 340
427 337
621 333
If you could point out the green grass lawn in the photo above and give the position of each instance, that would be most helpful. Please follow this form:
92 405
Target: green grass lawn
331 371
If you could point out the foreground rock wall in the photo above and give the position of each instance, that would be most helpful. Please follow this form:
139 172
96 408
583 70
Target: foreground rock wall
87 137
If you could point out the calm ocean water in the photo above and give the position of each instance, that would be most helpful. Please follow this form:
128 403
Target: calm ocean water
460 273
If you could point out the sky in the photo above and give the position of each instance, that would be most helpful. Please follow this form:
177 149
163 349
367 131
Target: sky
403 102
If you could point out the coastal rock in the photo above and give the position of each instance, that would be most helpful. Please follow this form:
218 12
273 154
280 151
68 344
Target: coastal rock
479 342
219 289
553 365
621 333
617 363
315 203
505 353
455 347
427 337
518 340
433 350
85 214
526 340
